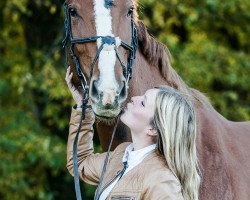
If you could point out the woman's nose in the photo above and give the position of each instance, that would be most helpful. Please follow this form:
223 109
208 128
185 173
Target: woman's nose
134 100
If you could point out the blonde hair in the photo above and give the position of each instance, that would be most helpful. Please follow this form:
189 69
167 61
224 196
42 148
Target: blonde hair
175 122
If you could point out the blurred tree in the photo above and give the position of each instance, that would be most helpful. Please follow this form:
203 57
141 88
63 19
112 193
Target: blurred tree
209 41
35 104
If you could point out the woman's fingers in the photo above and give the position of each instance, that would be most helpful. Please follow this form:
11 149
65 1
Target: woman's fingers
75 93
67 75
68 79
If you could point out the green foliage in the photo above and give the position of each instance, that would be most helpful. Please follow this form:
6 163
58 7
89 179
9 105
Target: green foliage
27 151
33 128
209 41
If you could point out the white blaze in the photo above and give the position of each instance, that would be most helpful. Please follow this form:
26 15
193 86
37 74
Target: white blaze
107 81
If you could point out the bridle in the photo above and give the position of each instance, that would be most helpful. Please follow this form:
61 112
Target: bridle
102 43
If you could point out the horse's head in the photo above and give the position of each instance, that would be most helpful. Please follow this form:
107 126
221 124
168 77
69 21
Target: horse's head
103 38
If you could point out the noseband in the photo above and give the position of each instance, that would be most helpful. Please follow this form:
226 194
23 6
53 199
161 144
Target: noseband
103 43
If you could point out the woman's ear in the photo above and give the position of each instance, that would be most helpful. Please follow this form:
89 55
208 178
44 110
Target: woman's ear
152 132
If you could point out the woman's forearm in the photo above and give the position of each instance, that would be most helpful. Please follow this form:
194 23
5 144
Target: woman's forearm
85 140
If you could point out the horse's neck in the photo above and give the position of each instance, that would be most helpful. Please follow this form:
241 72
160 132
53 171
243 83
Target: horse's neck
144 77
210 121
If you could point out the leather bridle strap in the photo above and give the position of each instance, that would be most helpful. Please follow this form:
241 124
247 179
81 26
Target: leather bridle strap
97 194
105 40
75 144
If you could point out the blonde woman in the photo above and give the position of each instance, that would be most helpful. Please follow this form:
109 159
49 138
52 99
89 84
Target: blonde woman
161 161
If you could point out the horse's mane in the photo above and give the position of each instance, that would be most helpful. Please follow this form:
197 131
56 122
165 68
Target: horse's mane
158 55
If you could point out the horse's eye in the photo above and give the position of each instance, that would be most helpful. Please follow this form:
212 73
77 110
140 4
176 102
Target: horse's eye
130 12
73 12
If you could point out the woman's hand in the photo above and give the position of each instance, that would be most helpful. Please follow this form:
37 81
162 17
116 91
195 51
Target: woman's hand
74 91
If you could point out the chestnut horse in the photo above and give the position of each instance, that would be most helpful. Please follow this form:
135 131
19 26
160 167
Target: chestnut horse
223 145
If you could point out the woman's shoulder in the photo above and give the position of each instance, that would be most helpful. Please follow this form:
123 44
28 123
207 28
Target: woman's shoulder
159 182
156 167
121 147
155 160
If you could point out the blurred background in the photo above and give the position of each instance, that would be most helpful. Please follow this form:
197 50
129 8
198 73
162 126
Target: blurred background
210 45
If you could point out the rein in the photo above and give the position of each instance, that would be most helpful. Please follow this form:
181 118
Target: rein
103 42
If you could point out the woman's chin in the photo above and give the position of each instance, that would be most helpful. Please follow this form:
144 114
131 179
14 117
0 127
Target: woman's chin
123 116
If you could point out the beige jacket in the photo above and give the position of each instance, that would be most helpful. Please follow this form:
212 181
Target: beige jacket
149 180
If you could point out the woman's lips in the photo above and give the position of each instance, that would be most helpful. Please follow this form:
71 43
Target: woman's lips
127 107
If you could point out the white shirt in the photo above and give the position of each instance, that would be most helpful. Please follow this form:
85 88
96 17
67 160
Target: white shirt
133 158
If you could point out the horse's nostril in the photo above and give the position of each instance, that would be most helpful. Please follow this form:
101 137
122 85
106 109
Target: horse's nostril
123 93
94 94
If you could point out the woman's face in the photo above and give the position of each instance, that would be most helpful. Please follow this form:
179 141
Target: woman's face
140 111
